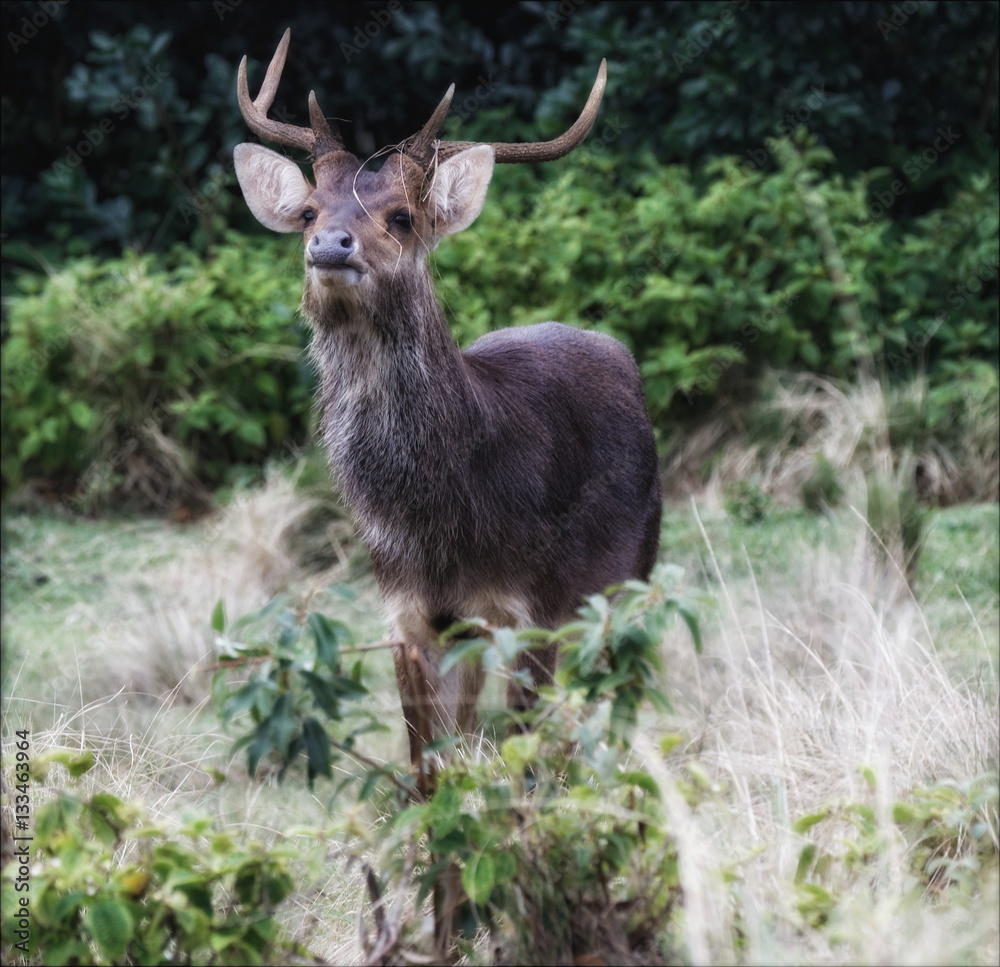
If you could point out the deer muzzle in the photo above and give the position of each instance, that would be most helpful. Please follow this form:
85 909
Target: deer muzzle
333 258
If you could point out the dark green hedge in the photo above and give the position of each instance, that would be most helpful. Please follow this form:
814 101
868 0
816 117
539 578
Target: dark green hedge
158 376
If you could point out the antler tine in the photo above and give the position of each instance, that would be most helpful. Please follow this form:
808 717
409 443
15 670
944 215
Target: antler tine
255 111
514 152
420 147
326 140
274 70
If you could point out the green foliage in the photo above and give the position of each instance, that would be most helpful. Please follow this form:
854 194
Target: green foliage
951 830
822 489
708 284
110 886
895 517
952 422
703 79
557 842
132 379
299 676
948 834
687 82
746 501
152 379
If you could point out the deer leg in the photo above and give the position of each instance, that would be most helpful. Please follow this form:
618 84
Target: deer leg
541 663
418 711
434 705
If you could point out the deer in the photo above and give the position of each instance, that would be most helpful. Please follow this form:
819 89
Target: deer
504 482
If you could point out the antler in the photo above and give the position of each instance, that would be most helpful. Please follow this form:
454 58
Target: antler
318 139
421 146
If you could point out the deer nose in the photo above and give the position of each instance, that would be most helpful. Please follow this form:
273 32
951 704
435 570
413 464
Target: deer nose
332 246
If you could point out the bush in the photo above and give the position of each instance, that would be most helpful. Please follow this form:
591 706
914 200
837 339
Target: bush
110 887
710 282
139 380
556 845
131 377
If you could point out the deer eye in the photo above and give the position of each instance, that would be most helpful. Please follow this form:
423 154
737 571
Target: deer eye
308 215
404 220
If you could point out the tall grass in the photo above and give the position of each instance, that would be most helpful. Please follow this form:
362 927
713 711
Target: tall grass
807 692
826 679
951 442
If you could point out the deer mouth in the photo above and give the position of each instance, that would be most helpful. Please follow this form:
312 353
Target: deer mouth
337 273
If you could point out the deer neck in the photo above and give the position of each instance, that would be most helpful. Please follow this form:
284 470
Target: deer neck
395 397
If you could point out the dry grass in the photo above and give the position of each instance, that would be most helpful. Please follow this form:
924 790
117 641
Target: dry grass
810 674
858 429
802 688
245 554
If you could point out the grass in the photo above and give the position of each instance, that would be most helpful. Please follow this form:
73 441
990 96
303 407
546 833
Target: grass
820 675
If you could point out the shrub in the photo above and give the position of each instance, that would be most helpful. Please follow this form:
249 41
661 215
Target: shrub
108 886
822 488
746 501
133 379
895 518
949 831
138 378
556 844
710 277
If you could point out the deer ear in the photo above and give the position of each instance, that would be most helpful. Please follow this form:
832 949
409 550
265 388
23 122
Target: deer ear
274 188
458 190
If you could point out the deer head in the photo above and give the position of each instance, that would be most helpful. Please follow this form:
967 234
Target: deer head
360 224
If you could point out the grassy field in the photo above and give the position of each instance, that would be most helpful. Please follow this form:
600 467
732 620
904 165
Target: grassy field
818 663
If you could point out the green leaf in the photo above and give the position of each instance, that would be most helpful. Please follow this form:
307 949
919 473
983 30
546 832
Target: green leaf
508 643
479 878
518 751
445 808
506 866
82 415
641 779
327 635
807 822
691 620
317 744
259 747
76 763
283 723
111 925
670 742
805 863
252 432
455 841
219 616
323 694
465 651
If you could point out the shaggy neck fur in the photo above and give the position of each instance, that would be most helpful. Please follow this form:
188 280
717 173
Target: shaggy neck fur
397 410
